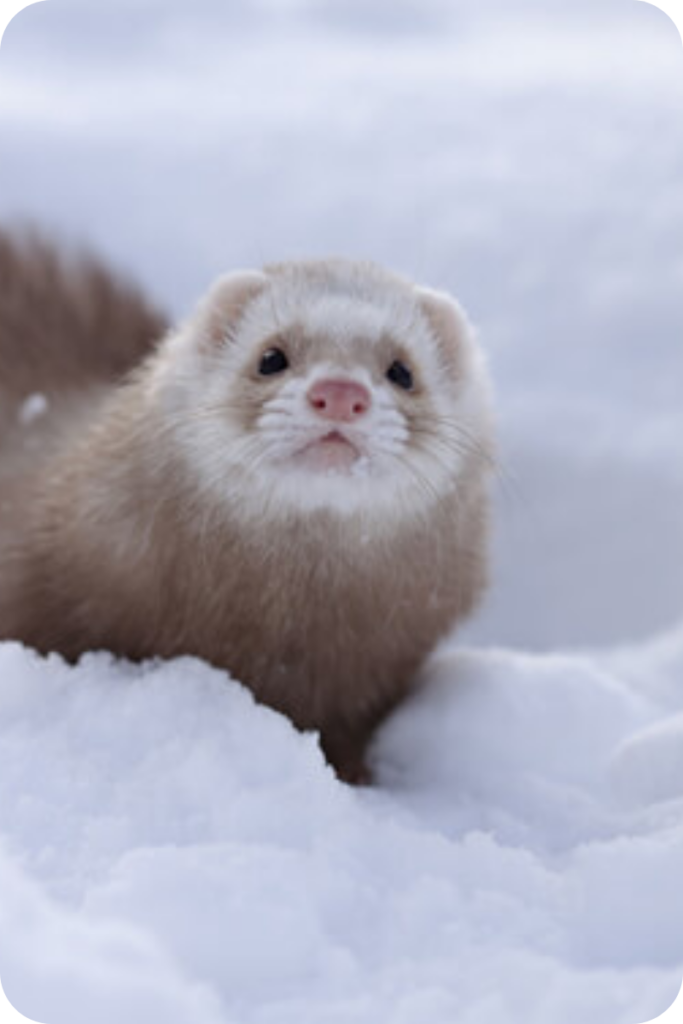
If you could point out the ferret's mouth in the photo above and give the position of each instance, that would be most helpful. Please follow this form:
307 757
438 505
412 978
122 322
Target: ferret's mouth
331 452
334 437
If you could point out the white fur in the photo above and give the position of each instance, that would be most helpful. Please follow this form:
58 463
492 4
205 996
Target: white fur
390 308
257 472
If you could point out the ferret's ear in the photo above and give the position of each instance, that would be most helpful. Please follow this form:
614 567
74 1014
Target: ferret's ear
221 310
449 324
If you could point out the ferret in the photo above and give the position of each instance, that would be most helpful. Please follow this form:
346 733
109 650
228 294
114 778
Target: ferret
292 485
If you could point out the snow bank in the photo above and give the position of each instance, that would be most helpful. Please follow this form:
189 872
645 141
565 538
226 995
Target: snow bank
170 851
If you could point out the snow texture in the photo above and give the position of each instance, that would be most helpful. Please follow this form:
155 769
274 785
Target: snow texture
169 850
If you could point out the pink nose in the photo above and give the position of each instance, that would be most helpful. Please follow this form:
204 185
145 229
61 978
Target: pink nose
340 400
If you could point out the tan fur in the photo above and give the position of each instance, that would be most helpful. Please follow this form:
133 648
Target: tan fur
66 322
110 540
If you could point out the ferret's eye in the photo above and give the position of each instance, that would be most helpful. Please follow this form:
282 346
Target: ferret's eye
399 374
272 361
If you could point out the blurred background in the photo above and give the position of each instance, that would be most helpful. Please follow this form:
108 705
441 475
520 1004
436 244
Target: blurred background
528 157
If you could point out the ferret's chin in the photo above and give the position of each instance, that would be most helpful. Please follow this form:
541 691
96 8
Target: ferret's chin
330 454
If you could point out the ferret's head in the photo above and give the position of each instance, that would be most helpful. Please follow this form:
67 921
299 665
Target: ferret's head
329 384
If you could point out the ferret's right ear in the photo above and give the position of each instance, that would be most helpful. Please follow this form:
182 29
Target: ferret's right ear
449 323
221 310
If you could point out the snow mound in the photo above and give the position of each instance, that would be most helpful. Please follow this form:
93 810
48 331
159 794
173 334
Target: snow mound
173 851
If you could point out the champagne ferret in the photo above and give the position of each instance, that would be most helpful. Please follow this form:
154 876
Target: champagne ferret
292 485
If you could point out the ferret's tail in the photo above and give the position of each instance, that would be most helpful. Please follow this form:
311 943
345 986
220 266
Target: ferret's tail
66 322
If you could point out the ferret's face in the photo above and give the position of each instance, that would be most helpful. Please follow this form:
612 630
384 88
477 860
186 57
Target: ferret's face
333 386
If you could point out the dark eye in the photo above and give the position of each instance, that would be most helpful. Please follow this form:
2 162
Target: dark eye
399 374
272 361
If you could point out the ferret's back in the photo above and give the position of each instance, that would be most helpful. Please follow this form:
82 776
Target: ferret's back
68 329
66 322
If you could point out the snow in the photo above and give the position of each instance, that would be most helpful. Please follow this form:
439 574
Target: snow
166 840
33 408
168 849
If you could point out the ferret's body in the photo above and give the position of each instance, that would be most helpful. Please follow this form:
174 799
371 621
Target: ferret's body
255 491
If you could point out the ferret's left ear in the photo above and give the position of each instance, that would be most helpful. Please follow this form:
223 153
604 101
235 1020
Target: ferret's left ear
221 310
449 324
